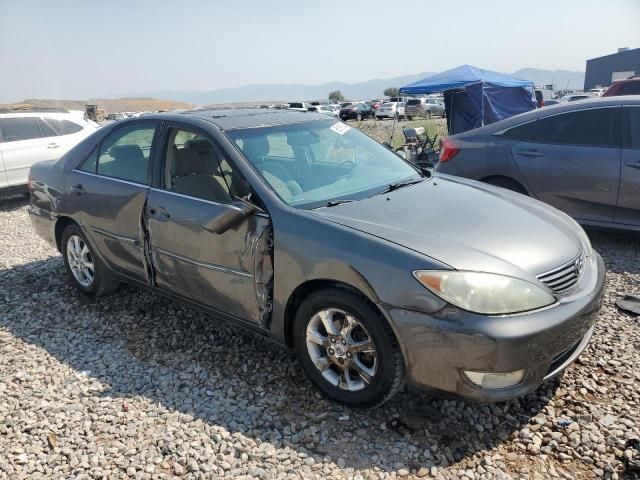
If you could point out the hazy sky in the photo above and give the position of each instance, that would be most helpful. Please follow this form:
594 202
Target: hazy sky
82 49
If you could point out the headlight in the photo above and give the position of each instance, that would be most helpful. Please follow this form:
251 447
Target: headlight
485 293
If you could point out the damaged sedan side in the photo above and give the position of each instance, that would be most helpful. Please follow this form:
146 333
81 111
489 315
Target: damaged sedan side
309 232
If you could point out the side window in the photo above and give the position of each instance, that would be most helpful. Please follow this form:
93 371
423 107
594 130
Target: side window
632 130
196 167
15 129
125 153
46 130
594 127
91 163
62 127
524 133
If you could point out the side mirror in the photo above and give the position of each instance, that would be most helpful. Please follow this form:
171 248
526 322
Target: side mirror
230 216
388 145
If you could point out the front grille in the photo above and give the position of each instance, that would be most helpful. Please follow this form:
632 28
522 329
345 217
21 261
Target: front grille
563 278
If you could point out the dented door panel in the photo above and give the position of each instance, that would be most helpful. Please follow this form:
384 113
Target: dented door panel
231 272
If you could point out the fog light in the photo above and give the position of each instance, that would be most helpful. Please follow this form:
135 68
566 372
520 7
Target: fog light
495 380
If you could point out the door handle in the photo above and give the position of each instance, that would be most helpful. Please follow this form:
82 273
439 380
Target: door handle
633 164
530 153
77 189
53 145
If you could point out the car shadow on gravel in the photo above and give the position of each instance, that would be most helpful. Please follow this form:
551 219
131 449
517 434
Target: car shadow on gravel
14 202
139 344
620 250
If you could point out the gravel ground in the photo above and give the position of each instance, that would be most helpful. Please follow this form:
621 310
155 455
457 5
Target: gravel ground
135 386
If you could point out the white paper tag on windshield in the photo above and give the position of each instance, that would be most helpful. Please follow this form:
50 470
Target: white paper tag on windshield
340 128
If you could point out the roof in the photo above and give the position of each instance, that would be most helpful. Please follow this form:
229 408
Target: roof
230 119
460 77
631 51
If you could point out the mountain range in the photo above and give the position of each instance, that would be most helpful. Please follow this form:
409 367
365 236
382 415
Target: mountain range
269 93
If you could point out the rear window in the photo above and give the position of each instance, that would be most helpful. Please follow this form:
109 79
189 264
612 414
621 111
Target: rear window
524 133
295 105
62 127
629 88
594 127
413 102
632 131
16 129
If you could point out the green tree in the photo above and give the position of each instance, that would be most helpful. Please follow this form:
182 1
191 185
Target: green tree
391 92
336 96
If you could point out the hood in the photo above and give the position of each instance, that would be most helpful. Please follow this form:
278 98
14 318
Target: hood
466 224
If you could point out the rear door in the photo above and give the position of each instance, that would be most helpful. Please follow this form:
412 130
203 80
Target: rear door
572 161
628 209
22 146
229 270
108 195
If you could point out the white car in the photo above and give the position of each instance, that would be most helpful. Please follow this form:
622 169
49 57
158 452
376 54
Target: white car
326 109
302 106
31 136
390 110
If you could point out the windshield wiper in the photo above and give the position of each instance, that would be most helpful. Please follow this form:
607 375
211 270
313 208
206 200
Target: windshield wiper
403 183
333 203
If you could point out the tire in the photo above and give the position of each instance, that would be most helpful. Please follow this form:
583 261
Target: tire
359 117
428 115
507 183
409 117
95 285
383 372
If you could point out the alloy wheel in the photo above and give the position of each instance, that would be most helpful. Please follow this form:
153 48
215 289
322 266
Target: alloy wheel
80 261
342 349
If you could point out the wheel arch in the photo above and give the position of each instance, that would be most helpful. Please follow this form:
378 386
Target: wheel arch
61 224
302 291
506 181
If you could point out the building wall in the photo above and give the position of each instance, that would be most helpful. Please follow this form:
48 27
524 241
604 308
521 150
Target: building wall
599 70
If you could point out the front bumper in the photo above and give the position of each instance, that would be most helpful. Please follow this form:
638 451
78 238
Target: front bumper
439 347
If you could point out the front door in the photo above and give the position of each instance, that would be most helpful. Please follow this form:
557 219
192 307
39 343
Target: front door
110 190
628 209
229 271
572 162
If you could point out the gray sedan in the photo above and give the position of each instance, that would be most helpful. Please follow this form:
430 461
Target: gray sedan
581 157
308 232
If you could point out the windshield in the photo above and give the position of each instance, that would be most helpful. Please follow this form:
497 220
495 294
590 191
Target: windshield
312 163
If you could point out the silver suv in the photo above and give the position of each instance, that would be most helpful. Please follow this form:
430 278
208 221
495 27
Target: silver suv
424 107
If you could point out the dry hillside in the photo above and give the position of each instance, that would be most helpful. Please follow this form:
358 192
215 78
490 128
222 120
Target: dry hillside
109 104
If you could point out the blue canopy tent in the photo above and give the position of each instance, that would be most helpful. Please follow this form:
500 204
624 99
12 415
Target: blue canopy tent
474 97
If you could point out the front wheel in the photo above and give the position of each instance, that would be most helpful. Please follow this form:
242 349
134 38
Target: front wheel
86 271
347 349
359 117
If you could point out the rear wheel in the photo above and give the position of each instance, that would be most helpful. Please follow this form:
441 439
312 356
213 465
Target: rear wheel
359 117
428 115
347 349
409 117
86 271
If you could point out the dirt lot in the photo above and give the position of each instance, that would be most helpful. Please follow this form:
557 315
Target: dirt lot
135 386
